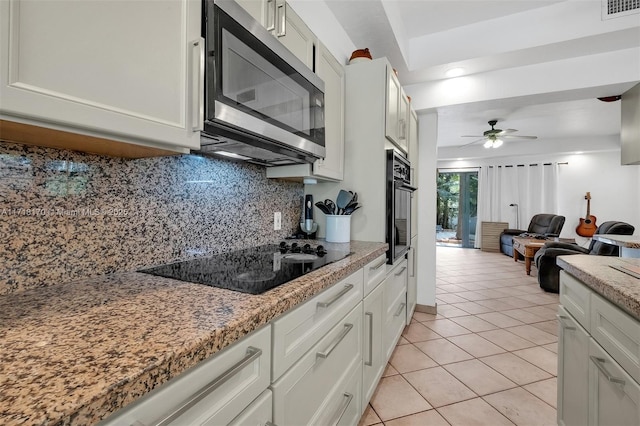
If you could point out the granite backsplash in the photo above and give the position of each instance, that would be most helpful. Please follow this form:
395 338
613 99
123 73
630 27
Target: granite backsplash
66 215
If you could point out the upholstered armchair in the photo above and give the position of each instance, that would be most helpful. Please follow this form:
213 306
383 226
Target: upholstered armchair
545 259
548 225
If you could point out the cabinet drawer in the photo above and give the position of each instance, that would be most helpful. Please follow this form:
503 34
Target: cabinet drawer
614 396
618 333
575 297
395 306
259 413
342 407
303 391
297 331
374 273
234 377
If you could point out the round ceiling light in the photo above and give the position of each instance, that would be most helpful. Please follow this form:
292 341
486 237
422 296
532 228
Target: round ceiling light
454 72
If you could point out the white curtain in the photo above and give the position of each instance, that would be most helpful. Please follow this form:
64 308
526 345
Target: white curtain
532 187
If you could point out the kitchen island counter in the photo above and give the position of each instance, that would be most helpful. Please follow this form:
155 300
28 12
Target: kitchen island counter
597 272
73 353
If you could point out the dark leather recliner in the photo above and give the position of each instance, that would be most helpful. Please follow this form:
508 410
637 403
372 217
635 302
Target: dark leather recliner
545 259
548 225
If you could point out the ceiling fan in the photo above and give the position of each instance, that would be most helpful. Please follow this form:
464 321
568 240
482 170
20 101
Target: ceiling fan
493 138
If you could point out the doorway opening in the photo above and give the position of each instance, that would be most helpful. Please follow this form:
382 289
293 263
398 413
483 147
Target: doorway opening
457 208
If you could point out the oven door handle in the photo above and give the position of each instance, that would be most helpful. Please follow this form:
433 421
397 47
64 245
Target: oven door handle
404 186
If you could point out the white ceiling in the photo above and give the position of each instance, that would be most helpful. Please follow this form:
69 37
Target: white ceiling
489 39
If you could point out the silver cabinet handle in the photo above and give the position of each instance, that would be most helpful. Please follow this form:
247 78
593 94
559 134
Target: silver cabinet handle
400 309
281 18
251 355
336 342
268 423
271 15
378 266
343 409
400 271
561 318
599 362
335 298
197 81
370 315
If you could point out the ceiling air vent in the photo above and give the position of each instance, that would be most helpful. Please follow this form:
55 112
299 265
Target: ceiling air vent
617 8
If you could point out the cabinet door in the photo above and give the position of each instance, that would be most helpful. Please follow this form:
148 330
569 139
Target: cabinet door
573 362
123 70
392 130
293 33
373 357
614 397
332 73
257 9
403 122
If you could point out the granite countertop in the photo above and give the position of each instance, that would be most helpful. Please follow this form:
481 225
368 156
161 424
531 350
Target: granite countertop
627 241
597 273
72 353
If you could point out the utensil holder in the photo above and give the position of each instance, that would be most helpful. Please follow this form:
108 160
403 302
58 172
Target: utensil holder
338 228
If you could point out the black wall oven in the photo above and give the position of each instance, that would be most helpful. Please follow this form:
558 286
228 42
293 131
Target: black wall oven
399 192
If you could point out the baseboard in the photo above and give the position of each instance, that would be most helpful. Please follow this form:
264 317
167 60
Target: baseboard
427 309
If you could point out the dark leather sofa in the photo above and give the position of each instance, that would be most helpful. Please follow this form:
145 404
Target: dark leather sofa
548 225
545 259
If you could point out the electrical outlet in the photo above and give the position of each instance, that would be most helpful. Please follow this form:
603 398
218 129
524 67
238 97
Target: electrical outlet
277 221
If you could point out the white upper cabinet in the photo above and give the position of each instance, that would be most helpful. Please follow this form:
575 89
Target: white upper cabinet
294 34
630 126
256 8
123 70
332 73
397 112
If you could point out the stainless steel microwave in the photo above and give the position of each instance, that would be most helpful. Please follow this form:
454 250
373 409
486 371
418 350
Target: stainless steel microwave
262 104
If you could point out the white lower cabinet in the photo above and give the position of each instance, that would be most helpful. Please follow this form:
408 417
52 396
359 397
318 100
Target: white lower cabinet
598 363
213 392
614 397
395 305
320 386
259 413
573 362
374 360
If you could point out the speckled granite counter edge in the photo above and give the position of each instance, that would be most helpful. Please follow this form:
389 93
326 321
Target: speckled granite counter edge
286 297
615 286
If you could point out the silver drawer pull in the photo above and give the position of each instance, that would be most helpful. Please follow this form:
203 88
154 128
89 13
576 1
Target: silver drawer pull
400 309
378 266
401 271
251 355
335 298
336 342
370 315
268 423
561 318
347 400
599 362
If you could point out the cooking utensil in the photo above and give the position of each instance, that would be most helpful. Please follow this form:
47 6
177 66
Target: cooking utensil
331 206
344 198
350 210
323 208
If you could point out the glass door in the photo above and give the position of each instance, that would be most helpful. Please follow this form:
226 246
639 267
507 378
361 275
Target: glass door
457 208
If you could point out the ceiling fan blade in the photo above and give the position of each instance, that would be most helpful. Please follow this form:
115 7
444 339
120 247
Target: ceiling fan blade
518 137
472 136
470 143
507 131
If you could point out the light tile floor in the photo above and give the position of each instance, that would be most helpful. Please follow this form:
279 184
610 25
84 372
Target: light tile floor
487 358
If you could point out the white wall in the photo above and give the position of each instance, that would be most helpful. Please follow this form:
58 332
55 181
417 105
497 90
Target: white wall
426 261
615 189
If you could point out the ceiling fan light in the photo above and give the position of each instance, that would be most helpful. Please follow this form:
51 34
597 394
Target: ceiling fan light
488 143
497 143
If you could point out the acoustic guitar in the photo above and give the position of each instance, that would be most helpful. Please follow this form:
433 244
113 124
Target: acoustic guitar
587 226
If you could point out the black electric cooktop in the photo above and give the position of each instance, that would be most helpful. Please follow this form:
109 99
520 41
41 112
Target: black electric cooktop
253 270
